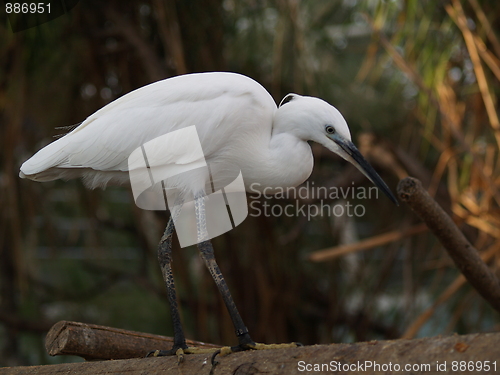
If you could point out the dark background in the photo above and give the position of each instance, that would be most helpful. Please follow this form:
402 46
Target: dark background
418 102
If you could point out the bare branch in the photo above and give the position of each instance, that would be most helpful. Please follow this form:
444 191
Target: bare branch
383 239
465 256
92 341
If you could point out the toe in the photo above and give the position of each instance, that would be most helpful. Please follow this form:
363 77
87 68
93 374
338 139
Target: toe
180 355
226 350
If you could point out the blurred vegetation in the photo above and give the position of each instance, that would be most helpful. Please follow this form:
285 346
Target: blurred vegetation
416 80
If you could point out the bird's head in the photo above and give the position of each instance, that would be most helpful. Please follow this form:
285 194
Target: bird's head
313 119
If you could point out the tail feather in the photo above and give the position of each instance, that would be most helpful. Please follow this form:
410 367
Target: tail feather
39 166
53 162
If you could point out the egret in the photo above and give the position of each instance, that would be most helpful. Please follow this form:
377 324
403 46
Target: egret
238 123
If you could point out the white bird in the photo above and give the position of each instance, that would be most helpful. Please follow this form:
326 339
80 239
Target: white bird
238 124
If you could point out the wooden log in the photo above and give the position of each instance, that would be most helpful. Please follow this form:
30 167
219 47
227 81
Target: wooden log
474 353
91 341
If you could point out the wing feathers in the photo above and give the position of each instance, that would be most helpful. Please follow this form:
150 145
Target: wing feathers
98 149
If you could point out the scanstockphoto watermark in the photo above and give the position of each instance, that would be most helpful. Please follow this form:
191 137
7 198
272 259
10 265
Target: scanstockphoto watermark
310 201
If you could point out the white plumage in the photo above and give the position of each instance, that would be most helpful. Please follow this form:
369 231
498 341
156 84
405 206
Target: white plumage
237 121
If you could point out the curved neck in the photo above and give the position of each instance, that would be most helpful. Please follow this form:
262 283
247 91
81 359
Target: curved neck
288 162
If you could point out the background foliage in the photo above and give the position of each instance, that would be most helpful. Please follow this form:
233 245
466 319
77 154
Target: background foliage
416 80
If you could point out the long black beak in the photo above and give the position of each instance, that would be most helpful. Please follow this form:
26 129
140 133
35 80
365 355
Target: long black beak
360 162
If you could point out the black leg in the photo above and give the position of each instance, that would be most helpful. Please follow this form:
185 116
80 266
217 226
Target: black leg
165 260
207 253
245 342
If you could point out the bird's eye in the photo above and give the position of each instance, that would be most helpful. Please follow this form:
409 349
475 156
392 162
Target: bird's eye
330 129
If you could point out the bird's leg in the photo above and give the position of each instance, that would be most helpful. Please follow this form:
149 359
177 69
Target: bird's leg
207 254
245 342
165 259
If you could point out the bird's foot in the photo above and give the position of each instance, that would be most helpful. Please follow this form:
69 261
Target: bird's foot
179 352
226 350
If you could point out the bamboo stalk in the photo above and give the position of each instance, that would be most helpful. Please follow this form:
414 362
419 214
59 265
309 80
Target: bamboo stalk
453 127
490 59
488 30
456 12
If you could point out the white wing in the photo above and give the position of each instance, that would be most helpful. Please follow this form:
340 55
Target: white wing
224 107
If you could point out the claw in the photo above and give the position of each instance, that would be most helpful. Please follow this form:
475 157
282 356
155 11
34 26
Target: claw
180 355
226 350
153 353
212 360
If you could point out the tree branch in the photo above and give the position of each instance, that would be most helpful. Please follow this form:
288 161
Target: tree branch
465 256
420 356
92 341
